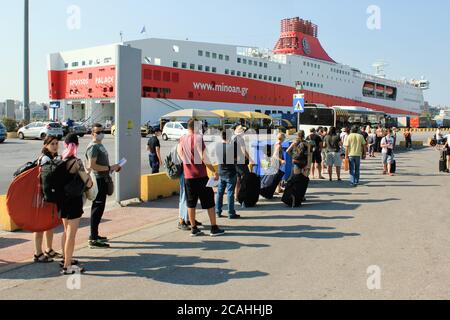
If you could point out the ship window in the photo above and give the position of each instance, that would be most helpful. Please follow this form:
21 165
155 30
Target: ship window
83 63
200 67
220 56
66 65
255 76
200 53
244 74
184 65
233 72
260 77
270 78
260 64
208 54
249 75
227 58
157 75
255 63
265 65
175 77
239 60
166 76
238 73
214 69
244 61
175 64
214 55
250 62
90 75
207 68
192 66
74 64
227 71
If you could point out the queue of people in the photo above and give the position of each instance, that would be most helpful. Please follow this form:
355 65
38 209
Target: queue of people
72 172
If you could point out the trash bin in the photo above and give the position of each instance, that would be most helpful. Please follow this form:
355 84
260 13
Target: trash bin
263 149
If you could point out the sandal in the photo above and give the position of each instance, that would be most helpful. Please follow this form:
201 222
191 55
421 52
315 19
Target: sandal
72 270
74 263
42 258
53 254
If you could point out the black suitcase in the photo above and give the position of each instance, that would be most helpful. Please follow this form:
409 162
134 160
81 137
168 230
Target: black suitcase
249 192
394 167
443 161
295 191
270 183
444 155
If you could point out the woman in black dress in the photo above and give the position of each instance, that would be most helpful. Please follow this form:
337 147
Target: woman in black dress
71 209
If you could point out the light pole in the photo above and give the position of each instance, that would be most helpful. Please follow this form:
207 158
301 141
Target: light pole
26 65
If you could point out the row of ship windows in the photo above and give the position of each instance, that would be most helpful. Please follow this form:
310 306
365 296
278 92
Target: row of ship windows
84 63
213 55
340 71
252 62
312 85
312 65
250 75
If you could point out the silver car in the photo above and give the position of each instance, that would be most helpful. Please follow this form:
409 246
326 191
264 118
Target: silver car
40 130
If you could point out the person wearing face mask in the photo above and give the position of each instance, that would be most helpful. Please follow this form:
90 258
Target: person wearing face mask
98 162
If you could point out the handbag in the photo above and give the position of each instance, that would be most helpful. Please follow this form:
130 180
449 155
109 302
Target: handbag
110 185
91 194
346 165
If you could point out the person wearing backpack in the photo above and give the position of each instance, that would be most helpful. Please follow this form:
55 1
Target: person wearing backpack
300 151
154 150
98 162
333 145
317 144
49 152
70 202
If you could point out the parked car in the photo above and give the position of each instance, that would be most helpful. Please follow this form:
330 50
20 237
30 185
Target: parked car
145 129
174 130
2 133
40 130
78 128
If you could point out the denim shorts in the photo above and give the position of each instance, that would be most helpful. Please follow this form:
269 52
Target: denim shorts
388 159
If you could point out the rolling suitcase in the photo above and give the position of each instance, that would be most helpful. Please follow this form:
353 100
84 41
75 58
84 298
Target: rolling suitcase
250 188
443 161
394 167
270 183
295 191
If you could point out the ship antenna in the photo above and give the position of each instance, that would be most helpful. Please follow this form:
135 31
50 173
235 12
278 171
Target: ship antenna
379 68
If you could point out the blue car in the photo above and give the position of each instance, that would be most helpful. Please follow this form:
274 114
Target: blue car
2 133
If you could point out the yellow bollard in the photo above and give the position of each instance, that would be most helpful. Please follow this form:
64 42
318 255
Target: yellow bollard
6 223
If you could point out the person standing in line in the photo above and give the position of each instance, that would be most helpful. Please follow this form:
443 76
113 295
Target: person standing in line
192 151
439 137
243 159
278 157
49 153
332 145
98 162
447 145
323 135
366 137
408 139
316 142
387 145
227 177
380 135
355 151
154 150
71 209
372 140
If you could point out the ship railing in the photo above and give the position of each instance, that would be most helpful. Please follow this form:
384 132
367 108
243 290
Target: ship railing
264 54
386 81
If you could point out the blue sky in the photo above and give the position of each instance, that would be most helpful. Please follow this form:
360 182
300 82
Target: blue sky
414 35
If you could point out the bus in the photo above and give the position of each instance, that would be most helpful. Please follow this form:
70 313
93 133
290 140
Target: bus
319 115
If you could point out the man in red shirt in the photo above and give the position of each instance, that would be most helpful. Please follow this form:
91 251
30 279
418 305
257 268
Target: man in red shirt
192 151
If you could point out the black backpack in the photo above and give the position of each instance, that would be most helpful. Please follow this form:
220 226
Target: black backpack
52 176
173 164
26 167
300 153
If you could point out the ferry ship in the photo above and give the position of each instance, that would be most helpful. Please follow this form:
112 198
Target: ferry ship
186 74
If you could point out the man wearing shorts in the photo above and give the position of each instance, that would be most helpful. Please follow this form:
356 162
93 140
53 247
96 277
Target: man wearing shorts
316 141
332 146
387 145
192 151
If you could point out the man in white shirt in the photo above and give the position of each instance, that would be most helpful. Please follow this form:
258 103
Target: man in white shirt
387 145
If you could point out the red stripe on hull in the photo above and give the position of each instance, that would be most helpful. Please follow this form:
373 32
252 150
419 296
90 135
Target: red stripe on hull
179 84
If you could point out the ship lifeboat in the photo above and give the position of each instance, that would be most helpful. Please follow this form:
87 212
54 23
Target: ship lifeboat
380 89
390 91
369 86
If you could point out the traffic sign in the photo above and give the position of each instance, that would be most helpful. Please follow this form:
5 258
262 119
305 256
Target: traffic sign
299 103
55 105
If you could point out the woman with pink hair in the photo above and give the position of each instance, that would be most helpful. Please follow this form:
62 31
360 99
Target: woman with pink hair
71 206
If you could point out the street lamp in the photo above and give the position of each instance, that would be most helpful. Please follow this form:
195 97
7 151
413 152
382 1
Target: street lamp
26 65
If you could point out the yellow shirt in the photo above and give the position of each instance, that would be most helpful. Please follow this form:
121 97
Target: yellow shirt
355 143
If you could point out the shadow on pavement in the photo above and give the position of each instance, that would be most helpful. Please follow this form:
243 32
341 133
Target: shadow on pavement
171 269
309 205
10 242
306 217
